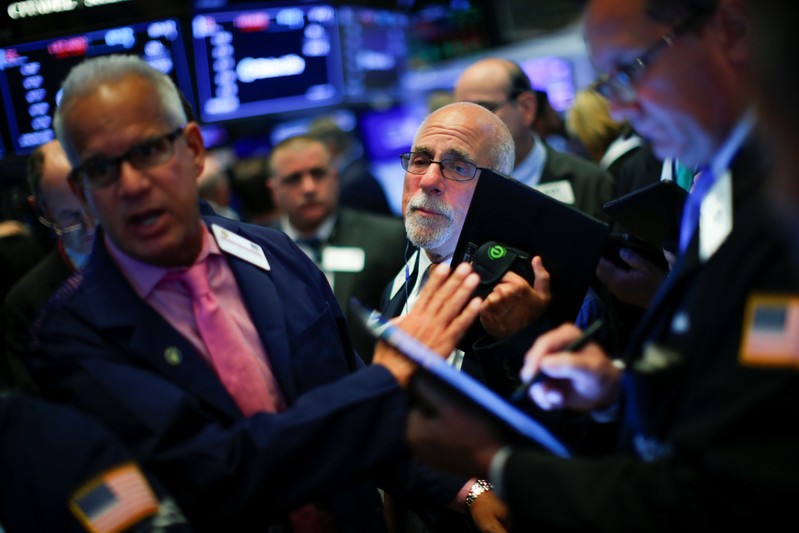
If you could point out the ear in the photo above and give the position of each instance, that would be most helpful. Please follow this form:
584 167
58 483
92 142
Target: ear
196 145
269 184
33 205
528 107
734 22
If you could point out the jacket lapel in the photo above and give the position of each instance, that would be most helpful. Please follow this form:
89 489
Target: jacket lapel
146 336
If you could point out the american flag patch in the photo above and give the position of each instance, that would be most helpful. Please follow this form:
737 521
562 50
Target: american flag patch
771 331
114 500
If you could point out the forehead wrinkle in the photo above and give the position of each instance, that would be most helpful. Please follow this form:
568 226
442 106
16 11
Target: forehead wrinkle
455 152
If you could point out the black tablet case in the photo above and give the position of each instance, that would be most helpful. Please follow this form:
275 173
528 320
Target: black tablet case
568 241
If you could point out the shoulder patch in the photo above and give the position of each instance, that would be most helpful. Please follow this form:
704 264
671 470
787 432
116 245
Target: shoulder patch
770 334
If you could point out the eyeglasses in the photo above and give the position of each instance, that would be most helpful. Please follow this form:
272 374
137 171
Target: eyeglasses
72 228
495 106
451 169
103 171
619 86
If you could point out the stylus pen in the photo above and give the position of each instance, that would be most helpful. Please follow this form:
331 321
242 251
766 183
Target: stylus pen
577 344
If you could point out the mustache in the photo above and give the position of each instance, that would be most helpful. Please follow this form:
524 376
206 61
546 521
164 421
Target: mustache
432 204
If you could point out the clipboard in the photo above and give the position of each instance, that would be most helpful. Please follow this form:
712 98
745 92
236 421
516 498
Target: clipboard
465 386
568 241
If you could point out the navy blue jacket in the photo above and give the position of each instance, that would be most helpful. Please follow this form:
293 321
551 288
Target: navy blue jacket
103 349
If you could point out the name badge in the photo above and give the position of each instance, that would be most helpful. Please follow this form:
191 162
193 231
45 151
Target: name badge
715 217
240 247
561 191
771 331
343 259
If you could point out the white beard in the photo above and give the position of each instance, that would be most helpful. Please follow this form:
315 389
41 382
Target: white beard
425 233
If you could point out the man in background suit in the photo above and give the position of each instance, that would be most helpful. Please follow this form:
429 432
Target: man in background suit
501 86
358 251
61 210
246 398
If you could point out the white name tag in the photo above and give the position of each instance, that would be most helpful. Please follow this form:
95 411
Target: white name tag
343 259
715 217
559 190
240 247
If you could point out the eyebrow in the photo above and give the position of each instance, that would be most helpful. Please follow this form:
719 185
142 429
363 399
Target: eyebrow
455 153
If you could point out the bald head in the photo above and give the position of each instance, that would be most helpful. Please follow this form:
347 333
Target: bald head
501 86
471 122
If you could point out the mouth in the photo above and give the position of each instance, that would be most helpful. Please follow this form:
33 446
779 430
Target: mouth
145 222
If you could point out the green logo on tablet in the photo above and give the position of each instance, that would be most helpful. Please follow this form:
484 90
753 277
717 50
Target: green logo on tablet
497 252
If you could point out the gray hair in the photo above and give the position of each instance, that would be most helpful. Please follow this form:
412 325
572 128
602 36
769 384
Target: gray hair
88 75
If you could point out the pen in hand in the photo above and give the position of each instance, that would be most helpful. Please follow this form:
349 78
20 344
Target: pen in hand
577 344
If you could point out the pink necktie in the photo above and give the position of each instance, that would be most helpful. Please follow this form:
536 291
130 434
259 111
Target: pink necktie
248 379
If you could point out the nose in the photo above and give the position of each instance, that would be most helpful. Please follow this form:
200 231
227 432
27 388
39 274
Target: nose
132 181
308 184
432 181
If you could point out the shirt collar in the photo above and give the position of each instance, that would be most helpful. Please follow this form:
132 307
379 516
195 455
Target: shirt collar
323 233
144 276
529 170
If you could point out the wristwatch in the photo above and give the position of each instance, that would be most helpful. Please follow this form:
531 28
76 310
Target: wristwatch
480 486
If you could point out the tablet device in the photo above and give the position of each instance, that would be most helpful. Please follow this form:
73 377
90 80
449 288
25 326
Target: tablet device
568 241
652 213
464 386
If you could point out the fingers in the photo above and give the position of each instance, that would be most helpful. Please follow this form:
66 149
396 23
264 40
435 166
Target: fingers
449 293
547 396
541 284
608 273
548 343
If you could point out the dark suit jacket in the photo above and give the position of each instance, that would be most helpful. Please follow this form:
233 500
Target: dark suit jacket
104 350
382 240
707 443
592 186
23 303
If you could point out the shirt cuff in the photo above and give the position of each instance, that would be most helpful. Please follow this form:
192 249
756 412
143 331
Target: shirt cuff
459 503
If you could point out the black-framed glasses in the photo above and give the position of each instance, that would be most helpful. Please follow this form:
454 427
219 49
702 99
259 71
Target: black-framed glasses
452 169
619 85
103 171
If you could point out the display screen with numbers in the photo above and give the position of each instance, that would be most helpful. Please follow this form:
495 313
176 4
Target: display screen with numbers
260 61
31 73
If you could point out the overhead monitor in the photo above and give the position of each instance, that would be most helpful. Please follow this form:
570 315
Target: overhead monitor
31 73
261 61
553 75
374 51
